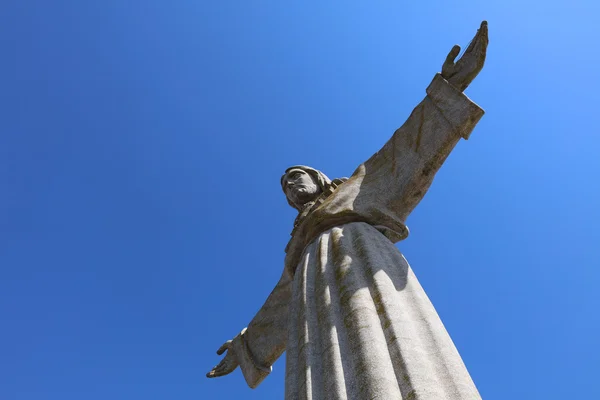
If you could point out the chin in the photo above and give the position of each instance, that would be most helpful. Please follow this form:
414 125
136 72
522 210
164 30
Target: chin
308 197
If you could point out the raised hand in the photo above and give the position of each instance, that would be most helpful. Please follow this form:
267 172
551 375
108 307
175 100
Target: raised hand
228 364
461 73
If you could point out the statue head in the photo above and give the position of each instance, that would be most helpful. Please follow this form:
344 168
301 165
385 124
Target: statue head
303 185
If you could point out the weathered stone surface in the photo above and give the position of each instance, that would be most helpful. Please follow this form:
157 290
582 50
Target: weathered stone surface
352 316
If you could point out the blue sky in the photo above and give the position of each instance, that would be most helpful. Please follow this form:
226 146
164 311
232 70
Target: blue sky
141 218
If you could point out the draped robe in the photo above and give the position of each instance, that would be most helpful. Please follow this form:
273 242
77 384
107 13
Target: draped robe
349 312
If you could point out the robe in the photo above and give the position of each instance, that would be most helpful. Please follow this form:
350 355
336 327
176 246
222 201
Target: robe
348 310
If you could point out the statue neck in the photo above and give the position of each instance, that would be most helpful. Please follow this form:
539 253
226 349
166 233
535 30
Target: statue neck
309 207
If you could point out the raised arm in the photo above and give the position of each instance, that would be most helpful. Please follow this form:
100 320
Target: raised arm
259 345
396 178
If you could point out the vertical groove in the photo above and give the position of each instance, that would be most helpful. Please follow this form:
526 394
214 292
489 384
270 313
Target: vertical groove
435 375
305 385
421 367
313 353
386 299
373 366
420 129
292 371
337 362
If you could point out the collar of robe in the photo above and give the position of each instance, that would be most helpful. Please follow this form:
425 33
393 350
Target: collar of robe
313 205
297 244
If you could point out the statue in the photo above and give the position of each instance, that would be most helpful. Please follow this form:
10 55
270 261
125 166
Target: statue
349 312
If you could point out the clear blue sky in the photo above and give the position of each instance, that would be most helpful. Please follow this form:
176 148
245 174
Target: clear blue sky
141 218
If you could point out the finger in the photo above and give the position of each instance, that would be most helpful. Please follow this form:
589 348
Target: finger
452 55
211 373
223 368
215 374
479 36
217 369
483 42
484 32
448 68
473 43
226 368
224 347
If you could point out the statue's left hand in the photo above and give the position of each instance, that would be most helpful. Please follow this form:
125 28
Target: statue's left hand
461 73
228 364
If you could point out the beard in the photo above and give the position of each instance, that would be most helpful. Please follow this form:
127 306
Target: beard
302 194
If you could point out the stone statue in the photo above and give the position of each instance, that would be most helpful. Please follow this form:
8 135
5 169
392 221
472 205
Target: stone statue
349 312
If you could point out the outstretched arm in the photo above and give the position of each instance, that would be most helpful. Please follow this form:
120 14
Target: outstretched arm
259 345
394 180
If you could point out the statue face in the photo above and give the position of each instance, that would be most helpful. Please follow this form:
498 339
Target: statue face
299 187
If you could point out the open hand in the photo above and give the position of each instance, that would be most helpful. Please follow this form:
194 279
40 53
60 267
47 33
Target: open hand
228 364
461 73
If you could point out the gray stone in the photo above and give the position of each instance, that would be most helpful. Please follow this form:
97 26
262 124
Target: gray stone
352 316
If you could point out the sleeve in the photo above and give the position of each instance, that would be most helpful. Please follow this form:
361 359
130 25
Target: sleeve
259 345
396 178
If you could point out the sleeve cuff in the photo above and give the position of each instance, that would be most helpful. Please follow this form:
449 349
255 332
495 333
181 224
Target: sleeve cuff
254 373
454 105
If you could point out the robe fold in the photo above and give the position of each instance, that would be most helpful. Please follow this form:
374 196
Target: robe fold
348 310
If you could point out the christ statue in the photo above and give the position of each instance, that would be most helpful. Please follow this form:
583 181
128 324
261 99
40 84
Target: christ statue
348 310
